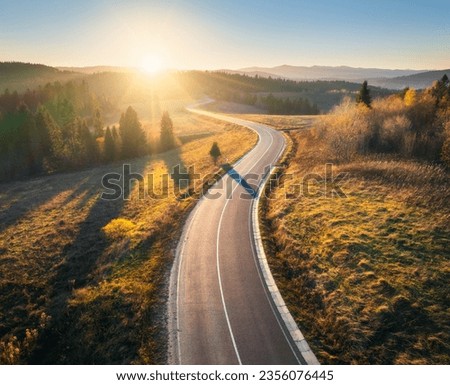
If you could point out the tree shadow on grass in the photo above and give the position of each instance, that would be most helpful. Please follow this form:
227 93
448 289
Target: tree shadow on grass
20 198
31 252
58 342
179 172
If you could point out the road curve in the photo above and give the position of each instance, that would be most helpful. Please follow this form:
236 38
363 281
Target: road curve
220 310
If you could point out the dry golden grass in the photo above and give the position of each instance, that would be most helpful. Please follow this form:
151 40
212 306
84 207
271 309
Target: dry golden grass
232 108
84 280
366 277
283 122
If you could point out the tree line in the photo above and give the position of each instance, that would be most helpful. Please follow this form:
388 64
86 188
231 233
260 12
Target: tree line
64 130
287 106
308 97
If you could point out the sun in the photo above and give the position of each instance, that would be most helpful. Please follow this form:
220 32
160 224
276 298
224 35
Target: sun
151 64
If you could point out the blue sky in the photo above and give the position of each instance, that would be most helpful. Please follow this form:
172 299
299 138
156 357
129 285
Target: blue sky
211 34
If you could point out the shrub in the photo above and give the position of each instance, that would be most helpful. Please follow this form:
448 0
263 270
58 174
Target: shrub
412 126
119 228
346 130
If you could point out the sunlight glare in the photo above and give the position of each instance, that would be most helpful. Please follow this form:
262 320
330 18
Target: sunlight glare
151 64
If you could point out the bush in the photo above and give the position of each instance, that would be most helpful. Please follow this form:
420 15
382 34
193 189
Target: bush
119 228
346 130
409 126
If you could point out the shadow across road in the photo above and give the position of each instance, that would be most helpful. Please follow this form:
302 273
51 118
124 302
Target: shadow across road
253 192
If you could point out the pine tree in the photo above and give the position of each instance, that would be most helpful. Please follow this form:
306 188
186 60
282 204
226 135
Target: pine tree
110 146
40 144
98 124
364 95
28 152
117 141
65 113
167 137
132 135
55 150
114 133
441 89
88 145
72 148
215 152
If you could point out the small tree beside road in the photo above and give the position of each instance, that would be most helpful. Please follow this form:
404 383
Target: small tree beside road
215 152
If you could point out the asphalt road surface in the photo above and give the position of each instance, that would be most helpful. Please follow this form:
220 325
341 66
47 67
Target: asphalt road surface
223 312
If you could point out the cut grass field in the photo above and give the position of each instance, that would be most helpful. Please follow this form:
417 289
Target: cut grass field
366 276
84 280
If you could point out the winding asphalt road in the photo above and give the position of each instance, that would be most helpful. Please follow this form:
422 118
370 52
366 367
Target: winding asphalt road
222 311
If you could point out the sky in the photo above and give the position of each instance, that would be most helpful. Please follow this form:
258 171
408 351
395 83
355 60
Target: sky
217 34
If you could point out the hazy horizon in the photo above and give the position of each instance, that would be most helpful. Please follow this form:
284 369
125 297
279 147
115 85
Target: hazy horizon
246 67
227 34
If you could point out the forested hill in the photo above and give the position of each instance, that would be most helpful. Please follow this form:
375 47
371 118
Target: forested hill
418 81
9 69
17 76
277 96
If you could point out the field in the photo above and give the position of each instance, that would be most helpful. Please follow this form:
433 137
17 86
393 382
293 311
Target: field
365 275
283 122
83 279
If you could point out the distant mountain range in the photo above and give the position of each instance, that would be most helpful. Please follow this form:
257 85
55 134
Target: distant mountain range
20 76
387 78
417 81
330 73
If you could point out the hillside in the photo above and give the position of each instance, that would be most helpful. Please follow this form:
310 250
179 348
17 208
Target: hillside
83 279
371 267
125 86
359 247
244 88
384 78
418 81
19 77
358 226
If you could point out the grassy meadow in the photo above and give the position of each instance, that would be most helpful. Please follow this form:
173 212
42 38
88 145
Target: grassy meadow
84 280
365 276
283 122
